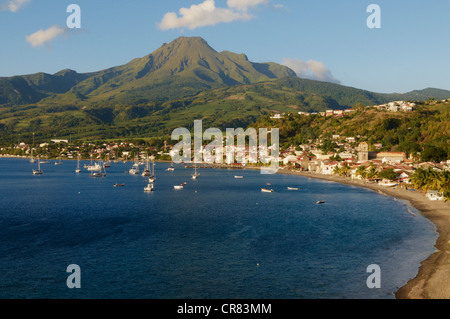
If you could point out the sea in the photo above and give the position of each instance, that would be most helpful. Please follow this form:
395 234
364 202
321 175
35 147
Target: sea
219 237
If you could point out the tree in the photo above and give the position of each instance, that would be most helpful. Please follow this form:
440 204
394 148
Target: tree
433 153
361 171
389 174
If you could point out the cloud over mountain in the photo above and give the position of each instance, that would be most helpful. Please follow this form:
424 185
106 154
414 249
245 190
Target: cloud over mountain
311 69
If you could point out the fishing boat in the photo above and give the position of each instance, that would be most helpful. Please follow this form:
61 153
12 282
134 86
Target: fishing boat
38 171
149 188
292 188
265 190
195 175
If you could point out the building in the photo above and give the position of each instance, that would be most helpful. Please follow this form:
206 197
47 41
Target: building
395 157
434 195
363 152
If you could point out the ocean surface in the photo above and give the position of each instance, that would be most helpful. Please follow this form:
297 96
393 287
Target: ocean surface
219 237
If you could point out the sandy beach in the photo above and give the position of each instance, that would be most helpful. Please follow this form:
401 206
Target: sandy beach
433 278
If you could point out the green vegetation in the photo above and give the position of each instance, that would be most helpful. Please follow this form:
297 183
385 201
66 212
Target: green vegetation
423 131
429 179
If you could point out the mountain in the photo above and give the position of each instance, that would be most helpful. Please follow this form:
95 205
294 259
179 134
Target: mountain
178 83
183 67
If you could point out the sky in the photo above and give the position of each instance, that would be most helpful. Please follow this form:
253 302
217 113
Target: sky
325 40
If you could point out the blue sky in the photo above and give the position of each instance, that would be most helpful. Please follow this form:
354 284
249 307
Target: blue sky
322 39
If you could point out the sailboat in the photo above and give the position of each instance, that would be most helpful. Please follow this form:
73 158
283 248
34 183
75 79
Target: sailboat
171 168
99 172
146 171
152 177
134 170
195 175
38 171
32 160
78 170
149 188
59 163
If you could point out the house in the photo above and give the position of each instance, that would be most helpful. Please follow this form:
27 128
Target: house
434 195
396 157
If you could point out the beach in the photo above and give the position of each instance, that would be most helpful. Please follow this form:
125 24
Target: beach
433 278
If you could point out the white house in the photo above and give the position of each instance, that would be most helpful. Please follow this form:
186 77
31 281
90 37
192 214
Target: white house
434 195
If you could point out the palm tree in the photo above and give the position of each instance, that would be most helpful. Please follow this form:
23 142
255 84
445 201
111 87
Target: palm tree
361 171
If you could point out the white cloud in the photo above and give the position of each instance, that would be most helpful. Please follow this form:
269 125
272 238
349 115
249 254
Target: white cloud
14 5
244 5
42 37
313 70
206 13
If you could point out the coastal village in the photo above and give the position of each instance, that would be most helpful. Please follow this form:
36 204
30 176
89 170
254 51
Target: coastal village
352 158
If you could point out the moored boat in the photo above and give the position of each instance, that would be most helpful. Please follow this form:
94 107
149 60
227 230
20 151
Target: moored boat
265 190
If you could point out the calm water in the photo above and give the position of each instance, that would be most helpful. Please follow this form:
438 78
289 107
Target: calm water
219 237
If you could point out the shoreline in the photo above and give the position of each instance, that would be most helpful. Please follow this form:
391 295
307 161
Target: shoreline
433 278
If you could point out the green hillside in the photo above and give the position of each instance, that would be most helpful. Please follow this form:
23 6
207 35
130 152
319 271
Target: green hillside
178 83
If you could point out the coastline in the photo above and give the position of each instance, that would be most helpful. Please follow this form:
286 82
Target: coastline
433 278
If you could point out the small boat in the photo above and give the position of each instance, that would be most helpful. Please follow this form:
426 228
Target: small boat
265 190
97 174
149 188
171 168
320 202
119 185
387 183
38 171
238 176
134 170
292 188
178 187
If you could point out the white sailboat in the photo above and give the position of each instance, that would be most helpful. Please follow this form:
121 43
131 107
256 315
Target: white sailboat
100 172
149 188
195 175
32 160
152 177
146 171
59 163
78 170
38 171
171 168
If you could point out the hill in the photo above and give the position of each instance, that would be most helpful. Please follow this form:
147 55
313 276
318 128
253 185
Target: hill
178 83
183 67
